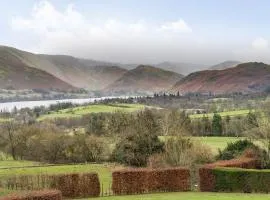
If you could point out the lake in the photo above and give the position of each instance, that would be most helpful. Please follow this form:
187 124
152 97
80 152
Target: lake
8 106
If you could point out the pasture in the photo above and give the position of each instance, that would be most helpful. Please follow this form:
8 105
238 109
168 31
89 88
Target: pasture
214 143
233 113
95 108
191 196
103 170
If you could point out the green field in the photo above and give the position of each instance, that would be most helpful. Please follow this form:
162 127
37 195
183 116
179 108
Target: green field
14 163
192 196
103 170
214 142
217 142
233 113
96 108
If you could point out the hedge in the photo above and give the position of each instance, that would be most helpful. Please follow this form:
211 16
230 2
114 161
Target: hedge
207 178
137 181
71 185
35 195
241 180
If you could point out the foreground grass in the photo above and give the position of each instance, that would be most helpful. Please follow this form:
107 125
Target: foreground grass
222 114
103 170
96 108
191 196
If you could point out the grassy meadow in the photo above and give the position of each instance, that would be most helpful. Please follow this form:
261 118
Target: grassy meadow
95 108
233 113
191 196
103 170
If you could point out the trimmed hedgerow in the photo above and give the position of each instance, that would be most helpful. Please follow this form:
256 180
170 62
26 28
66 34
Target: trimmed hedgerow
207 178
35 195
137 181
241 180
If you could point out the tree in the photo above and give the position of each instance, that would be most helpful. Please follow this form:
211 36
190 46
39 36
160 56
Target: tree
217 125
9 128
140 142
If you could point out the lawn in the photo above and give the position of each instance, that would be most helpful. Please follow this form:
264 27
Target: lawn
214 142
13 163
96 108
104 171
217 142
191 196
233 113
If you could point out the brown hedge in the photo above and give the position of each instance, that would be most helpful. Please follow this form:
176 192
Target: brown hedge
207 178
36 195
136 181
77 185
71 185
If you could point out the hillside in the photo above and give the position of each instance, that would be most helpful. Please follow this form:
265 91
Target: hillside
15 74
246 77
225 65
81 73
144 79
180 68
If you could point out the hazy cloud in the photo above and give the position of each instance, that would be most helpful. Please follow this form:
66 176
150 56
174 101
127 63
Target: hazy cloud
70 32
177 26
258 50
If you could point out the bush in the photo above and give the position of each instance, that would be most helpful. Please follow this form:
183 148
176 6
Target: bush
181 151
236 149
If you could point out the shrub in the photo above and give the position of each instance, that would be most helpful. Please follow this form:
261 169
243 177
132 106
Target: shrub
180 151
236 149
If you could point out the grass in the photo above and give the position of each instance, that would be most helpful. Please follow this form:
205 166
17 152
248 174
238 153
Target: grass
217 142
96 108
191 196
15 163
103 170
233 113
214 143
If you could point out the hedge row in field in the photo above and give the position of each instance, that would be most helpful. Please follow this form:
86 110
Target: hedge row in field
71 185
208 178
36 195
137 181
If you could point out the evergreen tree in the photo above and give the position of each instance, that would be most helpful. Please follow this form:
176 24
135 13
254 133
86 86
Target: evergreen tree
217 125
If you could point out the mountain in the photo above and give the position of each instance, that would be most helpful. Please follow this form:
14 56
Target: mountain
225 65
144 79
15 74
180 68
81 73
246 77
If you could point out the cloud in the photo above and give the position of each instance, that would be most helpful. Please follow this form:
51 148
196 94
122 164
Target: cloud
177 26
258 50
260 44
70 32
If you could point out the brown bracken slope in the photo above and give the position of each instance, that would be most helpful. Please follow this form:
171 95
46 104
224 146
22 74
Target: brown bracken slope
14 74
246 77
144 79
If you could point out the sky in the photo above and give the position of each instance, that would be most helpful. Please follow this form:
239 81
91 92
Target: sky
138 31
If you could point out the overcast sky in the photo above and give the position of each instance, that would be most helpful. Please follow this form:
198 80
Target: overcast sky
140 31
